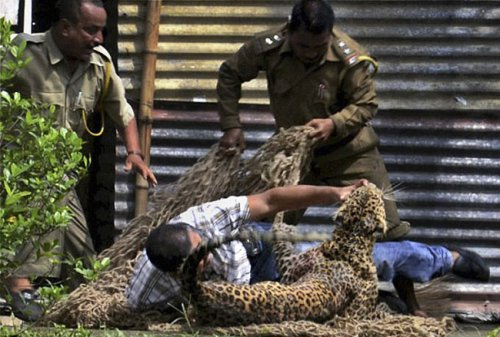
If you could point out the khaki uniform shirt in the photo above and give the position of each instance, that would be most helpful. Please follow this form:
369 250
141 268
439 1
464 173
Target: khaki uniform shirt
340 87
47 79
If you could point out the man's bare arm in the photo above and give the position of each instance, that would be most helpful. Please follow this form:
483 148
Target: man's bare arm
135 160
406 291
295 197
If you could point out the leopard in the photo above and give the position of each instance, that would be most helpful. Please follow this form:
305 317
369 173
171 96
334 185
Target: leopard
335 278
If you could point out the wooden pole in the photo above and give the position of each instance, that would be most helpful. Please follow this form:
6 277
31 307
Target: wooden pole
152 31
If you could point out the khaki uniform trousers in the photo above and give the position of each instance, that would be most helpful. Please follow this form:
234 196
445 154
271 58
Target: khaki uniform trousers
368 165
73 241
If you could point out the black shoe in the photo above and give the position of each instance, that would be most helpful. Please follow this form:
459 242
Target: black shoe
470 265
26 305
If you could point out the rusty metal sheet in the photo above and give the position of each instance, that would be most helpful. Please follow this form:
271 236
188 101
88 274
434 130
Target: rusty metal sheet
444 51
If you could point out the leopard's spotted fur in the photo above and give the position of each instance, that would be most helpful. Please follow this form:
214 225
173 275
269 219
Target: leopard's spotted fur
336 278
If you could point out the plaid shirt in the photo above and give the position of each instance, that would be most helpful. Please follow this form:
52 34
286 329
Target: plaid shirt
150 288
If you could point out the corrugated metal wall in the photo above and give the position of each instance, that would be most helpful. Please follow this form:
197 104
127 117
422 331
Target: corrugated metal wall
439 119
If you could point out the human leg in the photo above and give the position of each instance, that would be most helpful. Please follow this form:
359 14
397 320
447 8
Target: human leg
369 165
396 228
73 241
406 262
76 243
414 260
262 259
20 292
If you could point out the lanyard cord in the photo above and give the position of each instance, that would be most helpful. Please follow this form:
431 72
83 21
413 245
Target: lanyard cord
100 107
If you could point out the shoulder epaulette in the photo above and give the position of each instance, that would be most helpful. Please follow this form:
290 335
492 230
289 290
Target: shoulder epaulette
271 39
30 38
103 52
351 52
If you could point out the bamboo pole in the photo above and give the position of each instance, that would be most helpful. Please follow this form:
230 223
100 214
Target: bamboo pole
152 31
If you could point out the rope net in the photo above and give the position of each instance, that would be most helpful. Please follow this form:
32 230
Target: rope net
281 161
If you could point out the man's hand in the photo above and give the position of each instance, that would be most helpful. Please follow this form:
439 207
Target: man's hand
293 197
134 161
344 192
232 142
323 128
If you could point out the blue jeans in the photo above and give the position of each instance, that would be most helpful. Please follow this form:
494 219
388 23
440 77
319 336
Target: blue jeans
414 260
417 261
263 263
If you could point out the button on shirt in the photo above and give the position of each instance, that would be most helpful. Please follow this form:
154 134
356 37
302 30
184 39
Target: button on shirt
150 288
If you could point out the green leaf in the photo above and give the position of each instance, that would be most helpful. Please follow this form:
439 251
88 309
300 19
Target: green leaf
5 95
6 186
16 170
15 197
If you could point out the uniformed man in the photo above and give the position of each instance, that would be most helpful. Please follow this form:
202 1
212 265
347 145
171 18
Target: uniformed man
71 70
320 77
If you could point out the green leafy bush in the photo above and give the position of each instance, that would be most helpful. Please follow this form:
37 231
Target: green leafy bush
39 162
494 333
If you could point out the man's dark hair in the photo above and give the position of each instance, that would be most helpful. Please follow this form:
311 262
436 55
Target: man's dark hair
314 16
168 245
70 9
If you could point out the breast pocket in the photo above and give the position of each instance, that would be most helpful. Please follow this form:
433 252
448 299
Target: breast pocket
322 96
327 89
83 112
57 99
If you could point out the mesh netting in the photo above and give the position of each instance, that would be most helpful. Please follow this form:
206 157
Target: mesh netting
281 161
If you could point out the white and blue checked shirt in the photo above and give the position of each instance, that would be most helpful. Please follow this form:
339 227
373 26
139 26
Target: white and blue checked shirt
150 288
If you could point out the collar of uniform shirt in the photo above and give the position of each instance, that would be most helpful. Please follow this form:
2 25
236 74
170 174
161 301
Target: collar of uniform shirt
329 56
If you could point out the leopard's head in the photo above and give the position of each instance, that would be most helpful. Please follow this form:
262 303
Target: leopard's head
363 212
